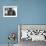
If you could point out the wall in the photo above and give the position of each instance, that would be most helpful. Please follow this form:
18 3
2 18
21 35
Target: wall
7 25
29 12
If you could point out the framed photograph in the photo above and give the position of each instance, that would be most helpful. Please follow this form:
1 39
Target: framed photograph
31 32
9 11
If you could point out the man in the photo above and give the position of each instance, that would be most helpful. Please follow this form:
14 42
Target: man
11 12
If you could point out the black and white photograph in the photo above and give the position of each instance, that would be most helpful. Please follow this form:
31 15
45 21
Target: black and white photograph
9 11
28 34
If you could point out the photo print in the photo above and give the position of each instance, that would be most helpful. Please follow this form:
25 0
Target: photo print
9 11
